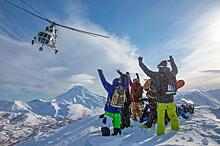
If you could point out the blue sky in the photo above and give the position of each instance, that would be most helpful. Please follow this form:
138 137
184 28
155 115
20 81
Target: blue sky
188 30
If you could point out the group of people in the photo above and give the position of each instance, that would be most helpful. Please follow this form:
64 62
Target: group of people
125 102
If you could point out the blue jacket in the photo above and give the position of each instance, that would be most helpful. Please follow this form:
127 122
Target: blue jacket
110 89
182 113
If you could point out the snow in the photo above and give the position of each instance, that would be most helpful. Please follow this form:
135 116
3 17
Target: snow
202 129
80 95
183 100
77 111
199 98
22 105
83 107
31 119
56 107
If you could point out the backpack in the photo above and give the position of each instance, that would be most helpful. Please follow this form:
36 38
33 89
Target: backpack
149 86
167 84
138 92
118 97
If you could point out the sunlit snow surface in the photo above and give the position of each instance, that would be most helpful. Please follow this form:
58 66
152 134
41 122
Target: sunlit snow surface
203 128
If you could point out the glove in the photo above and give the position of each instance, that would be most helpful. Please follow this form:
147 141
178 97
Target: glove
99 70
171 59
140 59
118 71
137 76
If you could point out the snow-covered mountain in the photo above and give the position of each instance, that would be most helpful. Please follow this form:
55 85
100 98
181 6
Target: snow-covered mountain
31 118
61 105
214 93
80 95
20 121
199 98
17 105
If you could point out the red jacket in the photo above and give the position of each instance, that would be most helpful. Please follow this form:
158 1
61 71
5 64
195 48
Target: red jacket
134 87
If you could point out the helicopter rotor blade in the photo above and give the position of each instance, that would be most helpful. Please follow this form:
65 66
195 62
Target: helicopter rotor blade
71 28
81 31
28 11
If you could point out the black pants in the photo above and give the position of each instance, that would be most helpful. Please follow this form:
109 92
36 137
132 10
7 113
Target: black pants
125 117
152 119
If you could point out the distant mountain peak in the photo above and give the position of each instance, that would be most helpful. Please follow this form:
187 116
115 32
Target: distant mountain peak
78 88
78 94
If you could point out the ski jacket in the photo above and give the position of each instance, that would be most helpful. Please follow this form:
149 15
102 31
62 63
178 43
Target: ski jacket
134 87
156 78
125 83
125 80
110 89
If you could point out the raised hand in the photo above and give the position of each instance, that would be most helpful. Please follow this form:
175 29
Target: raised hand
171 58
140 59
118 70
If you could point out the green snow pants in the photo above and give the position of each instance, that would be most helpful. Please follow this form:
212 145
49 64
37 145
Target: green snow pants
116 118
171 112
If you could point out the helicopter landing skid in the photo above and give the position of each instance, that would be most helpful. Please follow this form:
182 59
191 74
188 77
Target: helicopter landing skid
41 49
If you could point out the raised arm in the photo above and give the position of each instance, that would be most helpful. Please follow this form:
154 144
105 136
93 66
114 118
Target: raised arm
119 72
130 81
138 76
127 84
105 84
148 72
173 66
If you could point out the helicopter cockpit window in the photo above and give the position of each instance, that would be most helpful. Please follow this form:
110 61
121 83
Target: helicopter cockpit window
40 34
49 28
45 35
48 37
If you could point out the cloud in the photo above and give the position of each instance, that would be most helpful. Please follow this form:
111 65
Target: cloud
211 71
24 69
55 70
198 51
83 79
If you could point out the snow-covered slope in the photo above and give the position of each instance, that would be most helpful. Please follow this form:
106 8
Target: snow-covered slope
83 107
214 93
22 120
13 106
41 107
6 105
199 98
202 129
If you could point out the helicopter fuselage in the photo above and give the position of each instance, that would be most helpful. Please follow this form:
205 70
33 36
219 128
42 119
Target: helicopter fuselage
47 37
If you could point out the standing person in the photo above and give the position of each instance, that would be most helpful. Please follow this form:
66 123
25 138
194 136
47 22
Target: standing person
165 84
115 101
125 111
151 98
136 98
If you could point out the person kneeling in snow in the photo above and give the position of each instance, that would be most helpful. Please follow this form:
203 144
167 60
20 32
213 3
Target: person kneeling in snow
185 110
115 101
125 110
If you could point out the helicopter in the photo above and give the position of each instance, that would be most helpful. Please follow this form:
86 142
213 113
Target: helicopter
48 36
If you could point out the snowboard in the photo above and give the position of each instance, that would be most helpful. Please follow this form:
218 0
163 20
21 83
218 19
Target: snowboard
180 84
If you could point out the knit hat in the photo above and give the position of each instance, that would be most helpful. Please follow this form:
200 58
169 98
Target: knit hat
162 64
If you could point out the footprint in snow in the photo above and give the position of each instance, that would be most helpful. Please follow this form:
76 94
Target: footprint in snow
190 140
183 138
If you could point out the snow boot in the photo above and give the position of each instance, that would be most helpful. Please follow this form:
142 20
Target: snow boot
105 131
116 131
